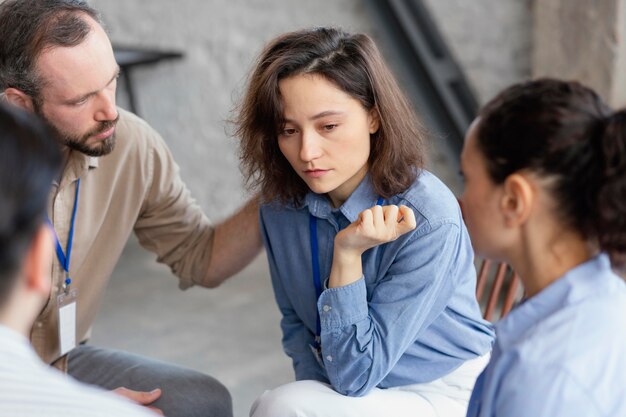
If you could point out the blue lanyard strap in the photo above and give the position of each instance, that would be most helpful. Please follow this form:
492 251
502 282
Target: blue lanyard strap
317 281
64 259
315 256
315 264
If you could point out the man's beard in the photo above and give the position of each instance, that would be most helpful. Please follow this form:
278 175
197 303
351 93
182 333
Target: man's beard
79 143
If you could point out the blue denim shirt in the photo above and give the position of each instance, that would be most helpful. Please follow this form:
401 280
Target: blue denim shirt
412 318
561 353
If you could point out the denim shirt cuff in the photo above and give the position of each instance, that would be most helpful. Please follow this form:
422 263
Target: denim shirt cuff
342 306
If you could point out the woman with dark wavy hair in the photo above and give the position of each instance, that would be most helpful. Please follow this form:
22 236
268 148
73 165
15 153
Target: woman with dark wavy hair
545 191
370 261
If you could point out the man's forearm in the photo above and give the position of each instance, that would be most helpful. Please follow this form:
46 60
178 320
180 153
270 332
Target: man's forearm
237 241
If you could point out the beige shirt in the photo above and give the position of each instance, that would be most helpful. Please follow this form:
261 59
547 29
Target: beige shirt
136 187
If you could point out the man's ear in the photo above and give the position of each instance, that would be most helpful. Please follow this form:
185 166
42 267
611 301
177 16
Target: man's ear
374 121
517 200
38 260
19 98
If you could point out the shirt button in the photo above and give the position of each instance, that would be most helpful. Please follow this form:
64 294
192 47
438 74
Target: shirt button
329 358
326 308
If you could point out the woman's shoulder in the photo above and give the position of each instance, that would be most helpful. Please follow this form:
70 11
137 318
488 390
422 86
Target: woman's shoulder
432 200
280 213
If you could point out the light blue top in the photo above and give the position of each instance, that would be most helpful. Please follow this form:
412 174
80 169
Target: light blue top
561 352
413 317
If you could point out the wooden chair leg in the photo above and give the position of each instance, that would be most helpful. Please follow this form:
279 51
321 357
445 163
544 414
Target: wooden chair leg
481 280
510 295
495 291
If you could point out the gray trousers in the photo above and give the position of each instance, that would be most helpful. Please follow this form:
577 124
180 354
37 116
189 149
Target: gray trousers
185 392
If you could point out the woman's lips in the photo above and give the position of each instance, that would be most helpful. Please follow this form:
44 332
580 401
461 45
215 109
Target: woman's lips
316 173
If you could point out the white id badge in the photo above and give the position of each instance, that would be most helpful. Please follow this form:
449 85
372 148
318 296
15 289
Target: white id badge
66 302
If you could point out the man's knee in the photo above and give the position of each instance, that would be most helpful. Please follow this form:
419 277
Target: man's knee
194 394
185 392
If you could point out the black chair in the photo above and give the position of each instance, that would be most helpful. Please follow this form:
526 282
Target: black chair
128 58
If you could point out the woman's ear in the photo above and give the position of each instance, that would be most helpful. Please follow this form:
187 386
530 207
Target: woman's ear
19 99
518 199
374 120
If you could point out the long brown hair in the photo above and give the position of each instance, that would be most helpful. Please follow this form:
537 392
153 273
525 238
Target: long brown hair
354 65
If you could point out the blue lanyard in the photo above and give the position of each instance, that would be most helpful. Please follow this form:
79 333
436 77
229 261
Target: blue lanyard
317 281
64 259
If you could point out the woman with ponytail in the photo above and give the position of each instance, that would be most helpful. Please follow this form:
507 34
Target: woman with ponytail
545 171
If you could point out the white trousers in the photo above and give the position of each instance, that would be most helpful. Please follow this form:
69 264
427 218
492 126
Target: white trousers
445 397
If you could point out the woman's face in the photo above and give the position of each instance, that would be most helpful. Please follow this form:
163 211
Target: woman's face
326 137
481 200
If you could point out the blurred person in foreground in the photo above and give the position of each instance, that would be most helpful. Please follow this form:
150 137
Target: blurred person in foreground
29 162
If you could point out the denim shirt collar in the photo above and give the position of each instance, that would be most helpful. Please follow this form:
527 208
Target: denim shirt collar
580 283
363 197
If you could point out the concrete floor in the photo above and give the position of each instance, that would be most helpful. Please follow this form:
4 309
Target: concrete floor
231 332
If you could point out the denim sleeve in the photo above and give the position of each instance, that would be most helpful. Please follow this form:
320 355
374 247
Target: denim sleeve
296 340
362 341
296 336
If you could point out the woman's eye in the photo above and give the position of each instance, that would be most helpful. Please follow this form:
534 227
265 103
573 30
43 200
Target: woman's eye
288 132
330 127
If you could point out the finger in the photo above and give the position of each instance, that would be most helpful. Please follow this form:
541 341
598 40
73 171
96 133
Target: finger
374 217
391 216
141 397
366 218
406 219
377 212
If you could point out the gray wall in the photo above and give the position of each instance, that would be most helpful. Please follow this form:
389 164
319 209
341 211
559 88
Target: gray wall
491 39
582 40
188 101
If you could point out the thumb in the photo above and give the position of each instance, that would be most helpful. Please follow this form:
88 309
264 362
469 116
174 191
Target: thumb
140 397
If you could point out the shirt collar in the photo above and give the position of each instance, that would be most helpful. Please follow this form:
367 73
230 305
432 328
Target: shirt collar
363 197
582 282
93 162
77 165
